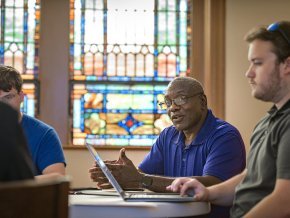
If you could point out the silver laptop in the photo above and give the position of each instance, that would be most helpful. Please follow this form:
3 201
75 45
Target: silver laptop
140 196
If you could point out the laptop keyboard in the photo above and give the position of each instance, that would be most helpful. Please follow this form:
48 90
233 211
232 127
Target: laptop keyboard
153 196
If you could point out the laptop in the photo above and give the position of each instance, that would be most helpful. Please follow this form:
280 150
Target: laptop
135 196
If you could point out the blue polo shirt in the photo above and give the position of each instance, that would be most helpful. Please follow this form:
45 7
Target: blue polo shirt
218 150
43 143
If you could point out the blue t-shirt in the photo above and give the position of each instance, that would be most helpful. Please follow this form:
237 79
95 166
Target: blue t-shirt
43 142
218 150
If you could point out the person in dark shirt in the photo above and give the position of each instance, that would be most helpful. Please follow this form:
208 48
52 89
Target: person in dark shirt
15 160
263 188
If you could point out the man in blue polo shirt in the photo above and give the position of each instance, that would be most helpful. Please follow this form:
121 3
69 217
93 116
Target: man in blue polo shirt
197 144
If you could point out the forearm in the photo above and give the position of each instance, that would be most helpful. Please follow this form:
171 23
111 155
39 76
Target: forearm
223 194
50 176
207 180
55 168
159 183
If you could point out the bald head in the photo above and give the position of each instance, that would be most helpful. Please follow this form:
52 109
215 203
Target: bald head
190 85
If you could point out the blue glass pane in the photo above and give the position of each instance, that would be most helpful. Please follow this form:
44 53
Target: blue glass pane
30 99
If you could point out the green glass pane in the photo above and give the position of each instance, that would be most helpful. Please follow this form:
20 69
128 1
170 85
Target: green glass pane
182 30
134 101
183 5
171 5
162 5
18 22
162 28
171 28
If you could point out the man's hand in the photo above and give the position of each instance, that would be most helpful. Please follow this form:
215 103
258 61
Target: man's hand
123 170
188 186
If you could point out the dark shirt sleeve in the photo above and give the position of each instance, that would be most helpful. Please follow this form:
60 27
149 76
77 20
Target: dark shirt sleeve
283 163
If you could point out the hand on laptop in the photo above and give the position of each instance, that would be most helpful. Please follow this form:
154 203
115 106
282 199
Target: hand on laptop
190 187
122 169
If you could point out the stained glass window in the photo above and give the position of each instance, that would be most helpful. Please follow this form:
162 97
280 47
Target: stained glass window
19 45
123 53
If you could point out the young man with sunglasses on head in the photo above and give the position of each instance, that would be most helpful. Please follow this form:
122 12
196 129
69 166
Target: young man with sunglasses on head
263 189
197 144
43 142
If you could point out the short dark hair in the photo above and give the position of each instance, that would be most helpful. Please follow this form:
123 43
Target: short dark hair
10 78
280 43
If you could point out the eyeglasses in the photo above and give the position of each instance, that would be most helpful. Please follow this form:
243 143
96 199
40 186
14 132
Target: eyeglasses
180 100
276 27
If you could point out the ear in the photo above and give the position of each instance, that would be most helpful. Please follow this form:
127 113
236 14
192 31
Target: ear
287 65
21 94
203 101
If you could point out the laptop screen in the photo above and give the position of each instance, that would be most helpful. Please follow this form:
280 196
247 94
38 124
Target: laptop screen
153 197
105 170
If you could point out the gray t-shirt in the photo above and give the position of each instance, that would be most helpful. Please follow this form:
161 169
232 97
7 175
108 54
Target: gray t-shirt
268 160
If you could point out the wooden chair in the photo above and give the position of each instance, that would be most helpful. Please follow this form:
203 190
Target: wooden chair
35 199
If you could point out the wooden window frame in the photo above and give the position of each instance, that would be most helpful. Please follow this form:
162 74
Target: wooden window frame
208 60
208 51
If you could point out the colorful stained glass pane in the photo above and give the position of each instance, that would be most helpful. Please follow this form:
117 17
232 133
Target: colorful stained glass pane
123 54
19 45
30 99
113 112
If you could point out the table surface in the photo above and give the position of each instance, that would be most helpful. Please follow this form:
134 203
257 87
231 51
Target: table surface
94 206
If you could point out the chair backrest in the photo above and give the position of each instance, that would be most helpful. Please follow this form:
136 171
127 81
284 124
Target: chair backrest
35 199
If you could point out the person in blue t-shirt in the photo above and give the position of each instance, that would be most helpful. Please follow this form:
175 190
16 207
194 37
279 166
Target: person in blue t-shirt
43 142
197 144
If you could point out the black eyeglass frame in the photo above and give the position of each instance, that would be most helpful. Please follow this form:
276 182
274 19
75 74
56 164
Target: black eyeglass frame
275 27
184 98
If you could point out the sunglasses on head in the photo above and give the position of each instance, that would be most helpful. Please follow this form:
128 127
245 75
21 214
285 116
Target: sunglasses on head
275 27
